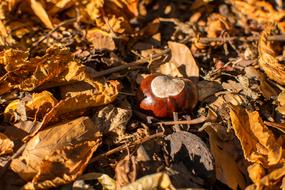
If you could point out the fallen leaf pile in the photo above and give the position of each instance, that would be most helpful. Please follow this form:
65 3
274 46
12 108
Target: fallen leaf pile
70 82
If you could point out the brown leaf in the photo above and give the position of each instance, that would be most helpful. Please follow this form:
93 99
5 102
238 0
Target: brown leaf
281 102
260 11
270 181
58 154
37 106
41 13
257 141
112 121
267 58
227 170
6 145
100 40
182 57
154 181
27 74
193 152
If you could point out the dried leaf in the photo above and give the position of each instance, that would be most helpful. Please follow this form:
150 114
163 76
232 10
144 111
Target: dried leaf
227 170
182 57
58 154
260 11
38 105
267 59
256 172
270 181
112 16
154 181
106 181
100 40
41 13
258 142
6 145
112 121
281 102
27 74
217 26
193 152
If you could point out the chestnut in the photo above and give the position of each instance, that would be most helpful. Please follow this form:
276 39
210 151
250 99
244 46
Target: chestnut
164 95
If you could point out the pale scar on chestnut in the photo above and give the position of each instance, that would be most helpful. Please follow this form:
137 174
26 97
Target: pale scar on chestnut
164 86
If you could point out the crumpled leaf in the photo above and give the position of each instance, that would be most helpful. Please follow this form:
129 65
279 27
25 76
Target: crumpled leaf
27 74
281 101
153 181
217 25
106 181
58 154
182 62
112 121
256 172
267 58
38 105
258 142
194 153
270 181
260 11
227 170
41 13
112 16
100 40
6 145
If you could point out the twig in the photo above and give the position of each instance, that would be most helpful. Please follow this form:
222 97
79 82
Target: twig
185 122
125 146
129 65
53 30
5 167
235 38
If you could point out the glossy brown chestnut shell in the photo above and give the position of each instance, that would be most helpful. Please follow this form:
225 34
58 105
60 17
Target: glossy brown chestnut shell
164 95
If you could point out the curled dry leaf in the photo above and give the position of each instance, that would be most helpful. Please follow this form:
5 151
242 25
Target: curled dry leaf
194 153
258 142
112 16
181 63
106 181
271 180
153 181
281 102
100 40
58 155
217 26
112 121
267 58
38 106
83 100
41 13
227 170
6 145
27 74
260 11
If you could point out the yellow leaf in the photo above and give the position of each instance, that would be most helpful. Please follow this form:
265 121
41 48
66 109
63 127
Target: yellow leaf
41 13
227 170
267 58
58 154
257 141
40 103
6 145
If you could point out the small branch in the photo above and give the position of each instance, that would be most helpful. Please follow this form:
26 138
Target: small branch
129 65
125 146
242 39
185 122
53 30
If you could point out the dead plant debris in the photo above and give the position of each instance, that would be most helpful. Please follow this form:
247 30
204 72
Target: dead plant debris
70 73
